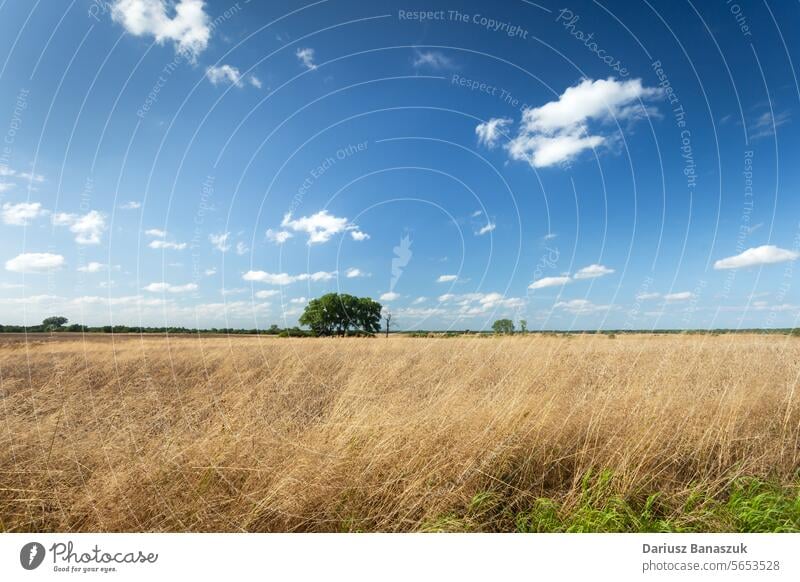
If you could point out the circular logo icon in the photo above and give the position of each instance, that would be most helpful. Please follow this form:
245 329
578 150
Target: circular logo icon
31 555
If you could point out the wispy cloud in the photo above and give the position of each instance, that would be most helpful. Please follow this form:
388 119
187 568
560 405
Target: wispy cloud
306 58
432 59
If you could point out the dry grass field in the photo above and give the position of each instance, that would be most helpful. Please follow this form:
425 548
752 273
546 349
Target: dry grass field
534 433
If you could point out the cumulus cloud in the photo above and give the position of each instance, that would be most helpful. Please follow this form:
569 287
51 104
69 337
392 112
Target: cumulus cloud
156 232
549 282
433 60
390 296
169 288
165 244
278 236
184 23
558 131
220 241
285 278
490 132
593 271
131 205
589 272
267 293
306 58
224 74
446 278
88 229
92 267
35 263
320 227
353 272
255 82
472 304
763 255
22 213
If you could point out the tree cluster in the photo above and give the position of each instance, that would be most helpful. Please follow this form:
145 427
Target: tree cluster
342 314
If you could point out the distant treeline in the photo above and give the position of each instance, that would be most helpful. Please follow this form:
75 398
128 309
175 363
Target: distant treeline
77 328
297 332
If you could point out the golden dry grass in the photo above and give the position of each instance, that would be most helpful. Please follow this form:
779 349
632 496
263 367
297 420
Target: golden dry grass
267 434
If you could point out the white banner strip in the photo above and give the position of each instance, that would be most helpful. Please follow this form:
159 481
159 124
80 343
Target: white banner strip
416 557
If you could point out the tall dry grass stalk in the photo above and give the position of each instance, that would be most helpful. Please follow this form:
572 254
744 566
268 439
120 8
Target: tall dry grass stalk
261 434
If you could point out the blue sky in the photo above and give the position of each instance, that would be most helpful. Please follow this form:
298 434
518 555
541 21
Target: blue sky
596 165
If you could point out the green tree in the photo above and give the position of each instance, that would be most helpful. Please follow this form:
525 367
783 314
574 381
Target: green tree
338 314
523 325
54 323
503 326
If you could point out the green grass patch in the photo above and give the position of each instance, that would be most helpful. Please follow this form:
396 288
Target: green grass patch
747 505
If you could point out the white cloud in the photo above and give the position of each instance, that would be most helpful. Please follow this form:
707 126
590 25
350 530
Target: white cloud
156 233
165 244
92 267
88 228
209 272
35 263
298 300
241 248
131 205
255 82
763 255
581 306
419 300
267 293
224 74
169 288
766 124
21 214
353 272
446 278
549 282
593 271
220 241
5 186
320 227
432 59
558 131
390 296
680 296
306 57
473 304
550 236
647 296
489 227
476 214
278 236
489 133
286 279
188 28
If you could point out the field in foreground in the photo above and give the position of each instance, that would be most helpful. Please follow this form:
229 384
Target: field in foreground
581 433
